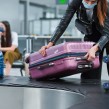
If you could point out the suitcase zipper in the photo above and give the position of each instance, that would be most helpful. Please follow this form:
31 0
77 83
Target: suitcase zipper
56 58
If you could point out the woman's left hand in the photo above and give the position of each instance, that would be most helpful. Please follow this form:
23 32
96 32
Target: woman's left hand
91 53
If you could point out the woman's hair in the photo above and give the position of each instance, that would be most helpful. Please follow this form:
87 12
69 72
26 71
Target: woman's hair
102 6
8 41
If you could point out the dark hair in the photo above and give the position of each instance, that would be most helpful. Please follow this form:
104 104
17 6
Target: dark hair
102 6
8 41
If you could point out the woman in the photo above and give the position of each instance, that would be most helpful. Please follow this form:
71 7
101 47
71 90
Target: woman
9 44
95 14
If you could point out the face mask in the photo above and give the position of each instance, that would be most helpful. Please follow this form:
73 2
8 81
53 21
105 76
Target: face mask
1 29
88 6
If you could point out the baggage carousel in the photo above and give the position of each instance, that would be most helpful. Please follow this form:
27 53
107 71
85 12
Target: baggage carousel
66 93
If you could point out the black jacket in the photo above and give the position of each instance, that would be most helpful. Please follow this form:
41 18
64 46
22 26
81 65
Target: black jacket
72 8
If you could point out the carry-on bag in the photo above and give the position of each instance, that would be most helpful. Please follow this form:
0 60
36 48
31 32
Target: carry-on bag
62 60
1 65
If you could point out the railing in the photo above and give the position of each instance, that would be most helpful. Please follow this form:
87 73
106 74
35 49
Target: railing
34 43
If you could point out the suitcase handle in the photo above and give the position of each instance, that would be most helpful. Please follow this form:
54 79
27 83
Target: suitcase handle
85 65
45 65
81 58
82 66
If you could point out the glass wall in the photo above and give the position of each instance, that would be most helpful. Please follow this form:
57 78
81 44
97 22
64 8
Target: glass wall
46 27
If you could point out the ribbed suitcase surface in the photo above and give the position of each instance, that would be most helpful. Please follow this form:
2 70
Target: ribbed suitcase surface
62 60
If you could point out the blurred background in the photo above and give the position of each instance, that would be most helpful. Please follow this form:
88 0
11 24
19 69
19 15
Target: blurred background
38 19
31 16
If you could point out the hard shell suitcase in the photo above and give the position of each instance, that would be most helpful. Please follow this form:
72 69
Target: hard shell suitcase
62 60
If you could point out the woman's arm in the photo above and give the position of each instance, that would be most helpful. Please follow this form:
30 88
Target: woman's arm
12 48
91 53
14 43
102 41
105 33
43 48
73 6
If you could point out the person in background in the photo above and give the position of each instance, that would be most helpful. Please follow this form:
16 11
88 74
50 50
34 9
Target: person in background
94 14
9 45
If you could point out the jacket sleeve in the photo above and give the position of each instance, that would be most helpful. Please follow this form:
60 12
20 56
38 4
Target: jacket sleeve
105 33
71 9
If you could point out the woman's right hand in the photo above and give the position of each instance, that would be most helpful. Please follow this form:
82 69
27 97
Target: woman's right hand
42 51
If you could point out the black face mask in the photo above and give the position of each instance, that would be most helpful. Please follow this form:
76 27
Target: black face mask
1 29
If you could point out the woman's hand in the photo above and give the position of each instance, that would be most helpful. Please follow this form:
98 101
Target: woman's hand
91 53
42 51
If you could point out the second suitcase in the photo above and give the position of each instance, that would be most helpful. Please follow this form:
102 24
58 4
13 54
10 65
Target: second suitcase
62 60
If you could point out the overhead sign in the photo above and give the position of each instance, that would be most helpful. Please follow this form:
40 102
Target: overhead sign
62 2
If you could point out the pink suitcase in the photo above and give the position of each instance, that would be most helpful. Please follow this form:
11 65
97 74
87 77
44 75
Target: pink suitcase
62 60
